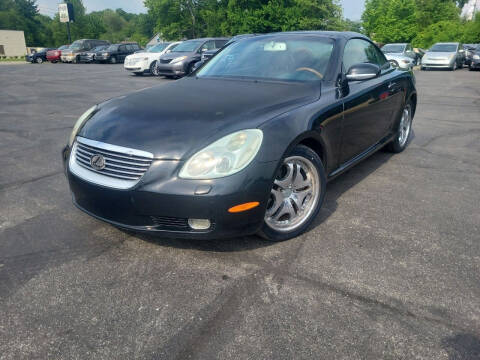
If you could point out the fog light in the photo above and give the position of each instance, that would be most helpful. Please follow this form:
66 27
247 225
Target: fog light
199 224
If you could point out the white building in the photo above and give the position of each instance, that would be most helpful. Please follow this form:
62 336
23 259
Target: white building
470 8
155 40
12 43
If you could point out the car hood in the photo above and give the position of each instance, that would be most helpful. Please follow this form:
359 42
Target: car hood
172 55
174 120
142 55
395 56
439 54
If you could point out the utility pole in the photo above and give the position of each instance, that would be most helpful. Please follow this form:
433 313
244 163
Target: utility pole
68 32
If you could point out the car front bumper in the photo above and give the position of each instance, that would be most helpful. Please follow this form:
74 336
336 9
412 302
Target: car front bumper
440 64
102 57
53 58
68 58
475 64
162 203
137 66
176 69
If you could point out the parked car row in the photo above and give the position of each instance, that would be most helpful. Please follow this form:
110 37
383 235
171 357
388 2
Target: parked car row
173 59
451 56
146 61
86 51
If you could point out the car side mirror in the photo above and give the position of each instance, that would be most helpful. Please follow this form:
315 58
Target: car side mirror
364 71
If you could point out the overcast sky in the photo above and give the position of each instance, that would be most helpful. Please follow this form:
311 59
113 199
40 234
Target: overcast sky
352 9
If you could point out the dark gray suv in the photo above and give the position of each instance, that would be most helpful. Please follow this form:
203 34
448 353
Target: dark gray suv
181 61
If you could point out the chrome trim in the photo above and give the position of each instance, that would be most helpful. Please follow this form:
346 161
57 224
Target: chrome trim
355 77
114 148
124 166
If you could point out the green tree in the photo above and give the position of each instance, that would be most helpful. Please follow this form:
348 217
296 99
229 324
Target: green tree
390 20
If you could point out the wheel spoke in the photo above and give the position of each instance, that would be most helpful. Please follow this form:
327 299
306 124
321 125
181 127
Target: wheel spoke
277 202
299 182
287 179
286 209
300 197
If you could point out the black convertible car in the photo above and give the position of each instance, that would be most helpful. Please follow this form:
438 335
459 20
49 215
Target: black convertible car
246 144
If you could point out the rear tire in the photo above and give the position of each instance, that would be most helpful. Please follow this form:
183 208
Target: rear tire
402 137
113 60
297 195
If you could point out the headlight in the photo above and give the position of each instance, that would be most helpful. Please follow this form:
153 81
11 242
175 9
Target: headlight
476 57
78 125
105 54
451 56
145 58
224 157
178 59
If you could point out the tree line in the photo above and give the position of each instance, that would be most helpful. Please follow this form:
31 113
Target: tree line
41 30
422 22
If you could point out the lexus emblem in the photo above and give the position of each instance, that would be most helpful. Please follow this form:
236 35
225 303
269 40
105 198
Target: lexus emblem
98 162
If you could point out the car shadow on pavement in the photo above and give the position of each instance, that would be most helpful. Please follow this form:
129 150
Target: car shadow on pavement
335 189
462 346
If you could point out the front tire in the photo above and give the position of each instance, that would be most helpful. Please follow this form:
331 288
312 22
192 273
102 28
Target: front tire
39 60
113 60
297 195
153 68
402 136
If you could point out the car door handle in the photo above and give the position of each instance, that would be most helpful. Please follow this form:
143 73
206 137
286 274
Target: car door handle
391 85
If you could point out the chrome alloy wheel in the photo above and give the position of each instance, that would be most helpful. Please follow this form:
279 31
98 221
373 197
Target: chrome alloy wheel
405 126
294 196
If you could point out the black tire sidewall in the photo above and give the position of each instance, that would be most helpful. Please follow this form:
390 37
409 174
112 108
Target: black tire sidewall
152 68
302 151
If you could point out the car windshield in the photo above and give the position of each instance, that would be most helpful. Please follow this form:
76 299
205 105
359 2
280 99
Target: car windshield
393 48
77 45
157 48
444 48
99 48
112 48
273 58
63 47
188 46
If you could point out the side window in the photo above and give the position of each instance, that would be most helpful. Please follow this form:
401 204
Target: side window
122 48
136 47
220 43
359 51
209 45
129 47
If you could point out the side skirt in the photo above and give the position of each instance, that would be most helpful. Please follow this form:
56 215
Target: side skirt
360 157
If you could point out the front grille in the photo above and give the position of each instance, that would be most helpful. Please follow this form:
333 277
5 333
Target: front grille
170 223
165 61
119 162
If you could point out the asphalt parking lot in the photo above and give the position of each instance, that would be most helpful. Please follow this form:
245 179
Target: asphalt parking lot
391 269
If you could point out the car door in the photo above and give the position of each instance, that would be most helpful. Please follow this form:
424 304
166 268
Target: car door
122 50
369 105
409 52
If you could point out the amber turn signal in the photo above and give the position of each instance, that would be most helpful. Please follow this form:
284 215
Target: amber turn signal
243 207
